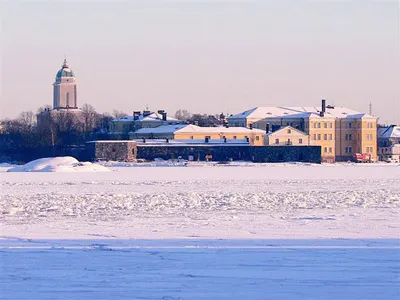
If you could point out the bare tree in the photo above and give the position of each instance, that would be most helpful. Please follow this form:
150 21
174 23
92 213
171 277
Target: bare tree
117 114
90 117
183 114
27 121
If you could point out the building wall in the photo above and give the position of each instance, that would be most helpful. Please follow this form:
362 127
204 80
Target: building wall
390 153
255 139
65 93
274 123
322 133
285 138
356 135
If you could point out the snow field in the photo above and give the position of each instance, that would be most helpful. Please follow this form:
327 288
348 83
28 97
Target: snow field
250 201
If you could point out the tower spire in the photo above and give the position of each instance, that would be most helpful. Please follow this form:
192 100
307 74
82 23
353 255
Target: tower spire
65 64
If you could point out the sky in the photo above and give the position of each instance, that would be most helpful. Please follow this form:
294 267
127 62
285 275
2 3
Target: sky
203 56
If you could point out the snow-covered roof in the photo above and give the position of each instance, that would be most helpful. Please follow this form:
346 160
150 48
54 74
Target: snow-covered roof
389 132
161 129
151 117
189 128
298 112
220 129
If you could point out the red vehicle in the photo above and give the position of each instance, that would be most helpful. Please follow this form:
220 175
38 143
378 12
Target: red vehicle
362 158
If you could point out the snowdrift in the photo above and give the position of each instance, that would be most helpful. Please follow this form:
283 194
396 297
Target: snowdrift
58 164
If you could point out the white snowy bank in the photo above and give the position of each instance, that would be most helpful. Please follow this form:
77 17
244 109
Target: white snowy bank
59 164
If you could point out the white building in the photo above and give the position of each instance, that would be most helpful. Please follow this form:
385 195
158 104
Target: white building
389 143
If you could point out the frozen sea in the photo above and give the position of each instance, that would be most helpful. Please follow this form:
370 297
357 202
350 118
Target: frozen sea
244 231
200 269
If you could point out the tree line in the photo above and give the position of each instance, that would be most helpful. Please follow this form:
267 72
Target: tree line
65 130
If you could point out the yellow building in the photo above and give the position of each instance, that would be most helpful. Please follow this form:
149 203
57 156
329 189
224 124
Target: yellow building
341 132
197 134
287 136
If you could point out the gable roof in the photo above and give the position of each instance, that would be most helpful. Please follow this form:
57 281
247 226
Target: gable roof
299 132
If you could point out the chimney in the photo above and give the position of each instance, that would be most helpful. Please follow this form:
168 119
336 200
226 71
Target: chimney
323 105
146 113
136 115
251 126
267 128
164 116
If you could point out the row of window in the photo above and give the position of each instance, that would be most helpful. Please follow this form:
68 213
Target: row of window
349 149
350 125
224 137
327 149
324 124
288 142
327 137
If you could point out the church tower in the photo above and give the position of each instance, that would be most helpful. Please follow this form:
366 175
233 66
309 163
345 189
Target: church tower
65 89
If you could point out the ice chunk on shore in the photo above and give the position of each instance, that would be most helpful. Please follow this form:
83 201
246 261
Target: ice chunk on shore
59 164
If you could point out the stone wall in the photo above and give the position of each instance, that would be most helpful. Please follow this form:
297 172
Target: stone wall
129 150
196 152
112 150
226 153
287 154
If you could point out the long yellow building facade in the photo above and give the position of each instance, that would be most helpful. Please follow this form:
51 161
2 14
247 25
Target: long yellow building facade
341 132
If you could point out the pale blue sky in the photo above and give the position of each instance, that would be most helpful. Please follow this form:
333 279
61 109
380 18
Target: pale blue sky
204 56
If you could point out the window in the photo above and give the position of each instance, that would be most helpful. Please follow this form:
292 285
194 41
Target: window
315 136
289 142
348 149
330 124
348 137
319 136
277 141
319 124
257 138
325 125
330 149
325 137
325 149
234 137
314 125
330 136
191 137
300 141
246 137
349 125
289 131
67 99
370 125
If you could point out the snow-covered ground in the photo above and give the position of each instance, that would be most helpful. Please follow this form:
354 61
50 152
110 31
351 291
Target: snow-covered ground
242 201
202 231
56 164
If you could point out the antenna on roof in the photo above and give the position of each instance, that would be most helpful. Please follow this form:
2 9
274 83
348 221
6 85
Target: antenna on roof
370 108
